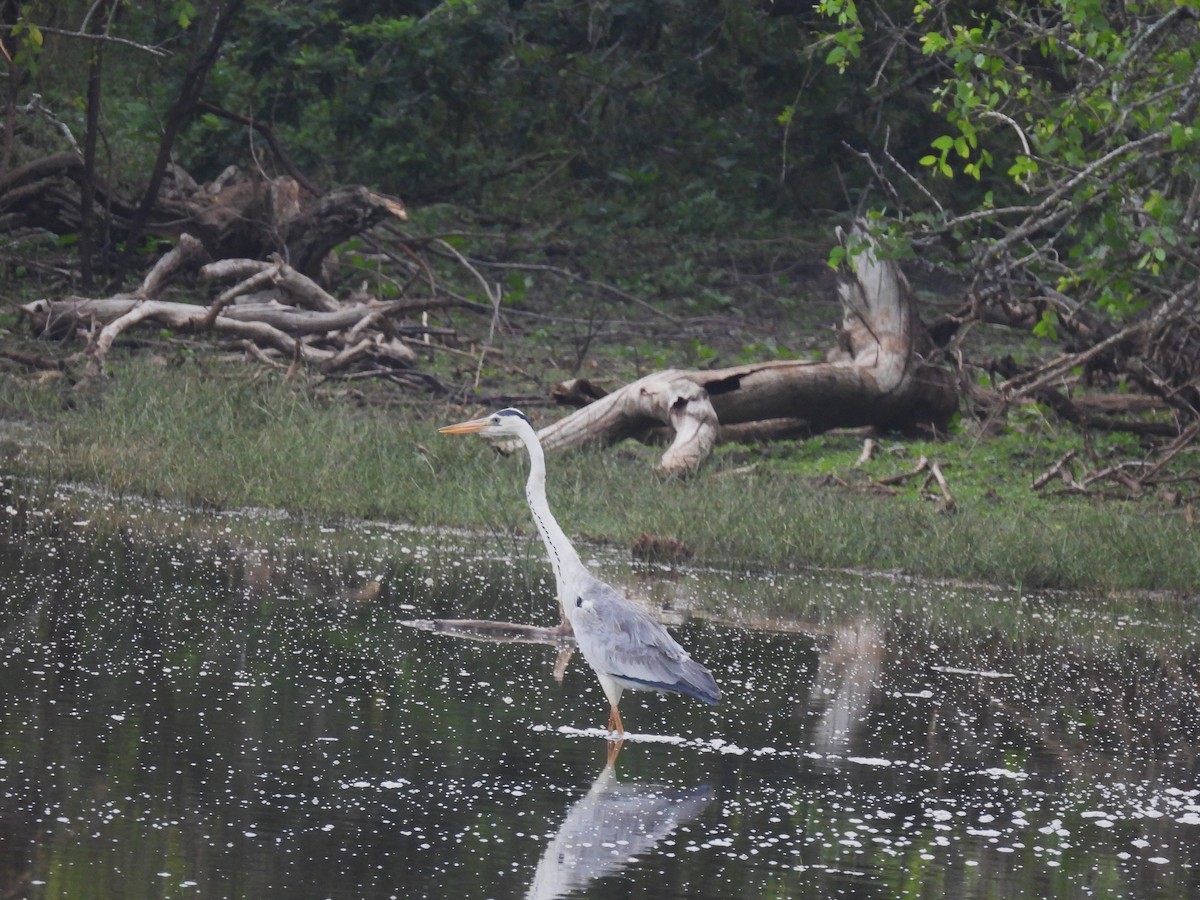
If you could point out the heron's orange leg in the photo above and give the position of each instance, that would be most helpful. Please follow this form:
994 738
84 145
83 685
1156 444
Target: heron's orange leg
614 748
614 723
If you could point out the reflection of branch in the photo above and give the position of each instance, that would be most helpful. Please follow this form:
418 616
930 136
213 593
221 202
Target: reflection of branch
560 664
560 636
488 630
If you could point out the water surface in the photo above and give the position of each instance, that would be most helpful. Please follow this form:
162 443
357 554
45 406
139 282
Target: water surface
207 706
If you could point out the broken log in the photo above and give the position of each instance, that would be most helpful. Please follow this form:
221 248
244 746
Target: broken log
880 378
237 216
333 219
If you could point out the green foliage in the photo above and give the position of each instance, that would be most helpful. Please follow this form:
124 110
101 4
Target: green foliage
659 114
29 41
1047 326
846 41
1079 121
183 12
658 104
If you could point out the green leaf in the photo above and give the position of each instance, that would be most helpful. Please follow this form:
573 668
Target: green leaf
933 43
1047 326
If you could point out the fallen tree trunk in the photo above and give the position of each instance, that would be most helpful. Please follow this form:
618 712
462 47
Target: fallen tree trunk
879 377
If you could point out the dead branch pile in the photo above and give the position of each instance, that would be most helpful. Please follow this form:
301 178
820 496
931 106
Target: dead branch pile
1127 479
273 311
235 216
262 245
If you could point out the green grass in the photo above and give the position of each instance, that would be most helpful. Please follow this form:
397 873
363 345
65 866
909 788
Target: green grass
214 435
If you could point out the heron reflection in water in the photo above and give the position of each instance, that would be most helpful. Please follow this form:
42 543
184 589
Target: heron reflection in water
610 825
625 646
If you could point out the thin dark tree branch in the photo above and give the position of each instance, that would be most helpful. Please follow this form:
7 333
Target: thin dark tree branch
269 136
211 31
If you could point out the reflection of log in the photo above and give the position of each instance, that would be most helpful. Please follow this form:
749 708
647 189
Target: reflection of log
847 677
879 379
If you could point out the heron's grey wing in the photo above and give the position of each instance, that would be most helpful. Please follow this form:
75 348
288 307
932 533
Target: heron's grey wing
635 649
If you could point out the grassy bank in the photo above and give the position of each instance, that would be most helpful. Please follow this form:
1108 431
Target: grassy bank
224 436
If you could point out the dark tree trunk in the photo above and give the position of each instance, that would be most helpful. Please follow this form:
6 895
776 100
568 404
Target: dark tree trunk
87 193
211 31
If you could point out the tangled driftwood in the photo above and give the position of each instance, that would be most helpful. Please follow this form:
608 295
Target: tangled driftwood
277 312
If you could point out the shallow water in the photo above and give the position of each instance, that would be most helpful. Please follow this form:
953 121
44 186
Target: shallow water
203 706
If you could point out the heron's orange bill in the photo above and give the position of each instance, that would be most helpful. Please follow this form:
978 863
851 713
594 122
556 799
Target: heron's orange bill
471 427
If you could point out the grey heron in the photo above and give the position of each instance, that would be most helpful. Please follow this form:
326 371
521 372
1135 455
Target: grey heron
625 646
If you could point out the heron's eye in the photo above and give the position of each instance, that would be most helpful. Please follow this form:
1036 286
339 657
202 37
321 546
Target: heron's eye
578 602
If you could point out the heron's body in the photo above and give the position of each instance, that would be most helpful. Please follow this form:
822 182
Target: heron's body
625 646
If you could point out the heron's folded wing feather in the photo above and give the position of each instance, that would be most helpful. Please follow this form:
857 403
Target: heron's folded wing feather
637 650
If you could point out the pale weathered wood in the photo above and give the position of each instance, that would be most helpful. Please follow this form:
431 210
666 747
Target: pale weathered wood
880 380
303 289
664 398
274 326
102 310
347 331
186 253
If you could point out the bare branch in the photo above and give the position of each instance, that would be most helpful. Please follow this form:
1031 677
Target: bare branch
105 38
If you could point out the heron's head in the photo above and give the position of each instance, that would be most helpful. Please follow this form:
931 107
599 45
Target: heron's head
504 423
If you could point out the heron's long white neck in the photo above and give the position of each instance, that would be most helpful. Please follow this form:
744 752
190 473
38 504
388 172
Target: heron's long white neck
564 559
